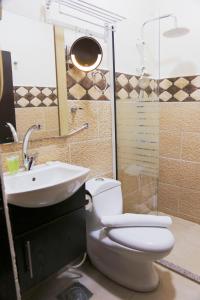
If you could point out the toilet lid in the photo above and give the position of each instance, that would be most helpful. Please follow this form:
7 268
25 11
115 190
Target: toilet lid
153 239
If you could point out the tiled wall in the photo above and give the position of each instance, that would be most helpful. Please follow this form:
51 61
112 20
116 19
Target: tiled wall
139 183
179 180
127 87
90 148
179 154
180 89
179 192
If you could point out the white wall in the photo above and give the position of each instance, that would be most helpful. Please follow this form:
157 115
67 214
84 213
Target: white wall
31 44
181 56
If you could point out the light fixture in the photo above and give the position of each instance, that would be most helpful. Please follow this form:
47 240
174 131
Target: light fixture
86 54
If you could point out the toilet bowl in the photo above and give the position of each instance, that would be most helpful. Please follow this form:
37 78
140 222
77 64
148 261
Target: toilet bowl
124 254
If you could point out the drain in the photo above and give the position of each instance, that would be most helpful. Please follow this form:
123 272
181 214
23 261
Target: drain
76 291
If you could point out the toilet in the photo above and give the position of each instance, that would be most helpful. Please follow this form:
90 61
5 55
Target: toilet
124 254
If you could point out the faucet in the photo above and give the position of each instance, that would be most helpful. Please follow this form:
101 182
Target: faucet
28 160
13 131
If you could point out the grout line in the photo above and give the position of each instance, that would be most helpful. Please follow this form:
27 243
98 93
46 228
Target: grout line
181 160
178 186
179 270
181 144
91 140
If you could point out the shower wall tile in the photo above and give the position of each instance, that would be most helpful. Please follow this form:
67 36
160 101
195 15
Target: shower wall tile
190 116
191 146
170 116
190 203
83 86
168 198
170 143
170 171
129 182
180 89
180 159
190 175
129 87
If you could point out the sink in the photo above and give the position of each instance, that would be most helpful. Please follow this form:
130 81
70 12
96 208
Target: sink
44 185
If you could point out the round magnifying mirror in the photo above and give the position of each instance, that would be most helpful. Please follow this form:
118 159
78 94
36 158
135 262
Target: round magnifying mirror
86 54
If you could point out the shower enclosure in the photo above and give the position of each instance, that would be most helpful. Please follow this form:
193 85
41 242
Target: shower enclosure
137 115
157 125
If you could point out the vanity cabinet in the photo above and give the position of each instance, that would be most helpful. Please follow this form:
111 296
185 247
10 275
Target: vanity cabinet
46 244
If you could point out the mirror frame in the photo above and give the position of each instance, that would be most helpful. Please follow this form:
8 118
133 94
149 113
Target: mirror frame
63 112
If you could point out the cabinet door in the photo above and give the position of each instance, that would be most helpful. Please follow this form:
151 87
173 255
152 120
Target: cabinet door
49 248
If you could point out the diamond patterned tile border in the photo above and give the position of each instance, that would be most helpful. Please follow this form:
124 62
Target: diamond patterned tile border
35 96
178 89
81 85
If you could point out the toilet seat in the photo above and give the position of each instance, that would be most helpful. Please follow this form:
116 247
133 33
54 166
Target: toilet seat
147 239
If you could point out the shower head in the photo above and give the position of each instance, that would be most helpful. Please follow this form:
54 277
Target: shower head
176 32
171 33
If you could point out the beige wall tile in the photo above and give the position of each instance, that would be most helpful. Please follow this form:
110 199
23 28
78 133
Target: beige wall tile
170 144
129 183
168 198
170 171
190 116
191 146
180 139
26 117
47 117
105 118
51 119
52 153
190 203
135 203
190 175
87 114
96 155
170 116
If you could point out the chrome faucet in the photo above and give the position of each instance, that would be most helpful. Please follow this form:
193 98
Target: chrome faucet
28 160
13 131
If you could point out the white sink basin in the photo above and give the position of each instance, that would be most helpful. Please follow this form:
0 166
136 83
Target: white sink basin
44 185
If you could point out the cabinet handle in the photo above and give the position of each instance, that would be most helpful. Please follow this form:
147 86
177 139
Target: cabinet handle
30 265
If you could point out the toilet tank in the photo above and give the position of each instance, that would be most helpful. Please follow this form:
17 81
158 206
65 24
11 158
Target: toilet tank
107 196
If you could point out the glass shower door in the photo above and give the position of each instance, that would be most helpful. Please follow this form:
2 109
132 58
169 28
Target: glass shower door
137 119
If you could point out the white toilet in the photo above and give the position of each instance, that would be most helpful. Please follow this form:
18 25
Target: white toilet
126 254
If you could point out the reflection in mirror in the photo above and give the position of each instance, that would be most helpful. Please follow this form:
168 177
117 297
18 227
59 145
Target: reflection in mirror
87 67
33 96
7 109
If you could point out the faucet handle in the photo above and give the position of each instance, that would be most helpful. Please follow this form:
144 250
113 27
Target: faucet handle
31 160
38 126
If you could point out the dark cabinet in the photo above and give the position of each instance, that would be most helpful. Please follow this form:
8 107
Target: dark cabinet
46 250
48 247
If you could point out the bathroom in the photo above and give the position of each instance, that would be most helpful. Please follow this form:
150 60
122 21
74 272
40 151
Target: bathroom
99 154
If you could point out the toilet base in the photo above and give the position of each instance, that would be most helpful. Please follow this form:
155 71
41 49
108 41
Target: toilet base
130 271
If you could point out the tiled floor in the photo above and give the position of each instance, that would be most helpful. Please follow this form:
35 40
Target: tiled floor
172 287
186 252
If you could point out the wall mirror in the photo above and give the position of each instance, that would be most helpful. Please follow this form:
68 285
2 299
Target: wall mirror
31 96
87 63
86 54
